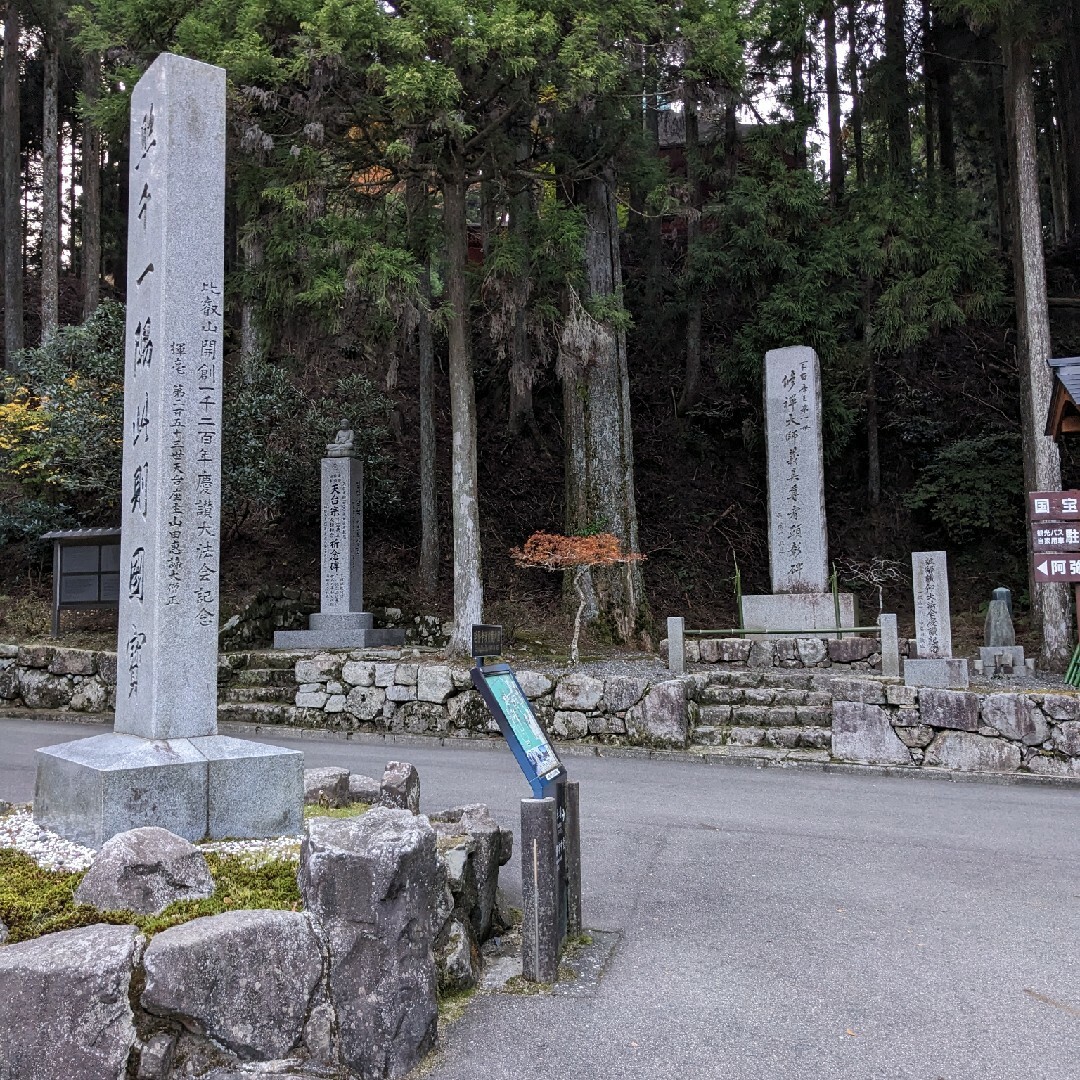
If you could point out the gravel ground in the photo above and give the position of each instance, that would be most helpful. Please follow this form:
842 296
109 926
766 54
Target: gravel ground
51 852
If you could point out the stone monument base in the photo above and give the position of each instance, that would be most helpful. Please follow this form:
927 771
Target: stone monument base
796 613
942 674
210 787
1002 659
338 630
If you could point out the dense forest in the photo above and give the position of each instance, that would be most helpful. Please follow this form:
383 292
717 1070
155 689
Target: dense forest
535 253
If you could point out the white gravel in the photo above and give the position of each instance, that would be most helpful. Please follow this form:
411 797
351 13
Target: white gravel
51 852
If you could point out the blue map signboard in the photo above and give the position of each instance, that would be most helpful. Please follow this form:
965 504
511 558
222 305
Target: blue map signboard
518 723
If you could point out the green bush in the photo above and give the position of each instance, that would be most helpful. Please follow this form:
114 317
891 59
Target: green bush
974 486
61 446
61 419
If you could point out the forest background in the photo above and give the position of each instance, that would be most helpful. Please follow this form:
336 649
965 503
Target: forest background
536 252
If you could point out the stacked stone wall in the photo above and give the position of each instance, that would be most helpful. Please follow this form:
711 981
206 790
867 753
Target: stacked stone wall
851 653
878 722
44 677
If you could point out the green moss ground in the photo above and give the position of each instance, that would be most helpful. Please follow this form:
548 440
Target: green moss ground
356 809
34 901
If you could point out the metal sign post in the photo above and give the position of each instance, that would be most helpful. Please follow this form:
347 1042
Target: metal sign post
550 827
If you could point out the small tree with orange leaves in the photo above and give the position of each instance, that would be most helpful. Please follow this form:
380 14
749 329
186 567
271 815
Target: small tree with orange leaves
552 551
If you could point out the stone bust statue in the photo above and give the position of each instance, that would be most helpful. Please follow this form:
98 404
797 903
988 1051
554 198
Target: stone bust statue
342 444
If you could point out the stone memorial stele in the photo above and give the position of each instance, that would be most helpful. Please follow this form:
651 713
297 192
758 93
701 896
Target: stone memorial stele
935 665
164 764
1001 655
801 599
341 622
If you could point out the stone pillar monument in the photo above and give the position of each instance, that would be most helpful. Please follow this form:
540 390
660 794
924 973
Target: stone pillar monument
165 764
341 622
935 665
798 542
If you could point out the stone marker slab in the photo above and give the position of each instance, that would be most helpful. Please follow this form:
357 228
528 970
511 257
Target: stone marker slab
341 622
764 612
165 765
168 621
890 645
798 542
941 674
933 628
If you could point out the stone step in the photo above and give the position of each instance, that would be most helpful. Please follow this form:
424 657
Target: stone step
244 695
763 695
765 716
266 713
261 677
265 658
788 738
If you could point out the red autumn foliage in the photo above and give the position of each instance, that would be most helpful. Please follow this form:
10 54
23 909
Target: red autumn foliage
552 551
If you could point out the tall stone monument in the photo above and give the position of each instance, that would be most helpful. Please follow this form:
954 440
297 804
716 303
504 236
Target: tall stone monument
341 622
798 542
935 666
165 764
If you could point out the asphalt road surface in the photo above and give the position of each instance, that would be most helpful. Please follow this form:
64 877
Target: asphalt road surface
776 924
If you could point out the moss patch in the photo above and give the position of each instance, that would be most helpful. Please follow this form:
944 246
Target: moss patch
34 901
452 1006
356 809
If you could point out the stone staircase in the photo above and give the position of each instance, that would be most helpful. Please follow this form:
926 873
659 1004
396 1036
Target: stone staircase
258 688
772 709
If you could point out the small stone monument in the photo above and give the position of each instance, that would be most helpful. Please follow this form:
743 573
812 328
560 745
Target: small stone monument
341 622
798 543
935 665
165 764
1001 655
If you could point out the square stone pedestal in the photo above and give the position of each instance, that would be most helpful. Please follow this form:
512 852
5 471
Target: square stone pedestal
796 613
210 787
946 673
331 630
995 658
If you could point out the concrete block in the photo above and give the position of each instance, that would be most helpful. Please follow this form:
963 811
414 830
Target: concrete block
800 612
943 674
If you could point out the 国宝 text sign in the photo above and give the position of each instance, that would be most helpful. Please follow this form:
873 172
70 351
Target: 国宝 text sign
1055 536
1057 566
1054 505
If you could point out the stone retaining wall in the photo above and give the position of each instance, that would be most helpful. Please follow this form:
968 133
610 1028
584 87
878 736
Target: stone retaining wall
437 699
880 722
852 653
865 719
44 677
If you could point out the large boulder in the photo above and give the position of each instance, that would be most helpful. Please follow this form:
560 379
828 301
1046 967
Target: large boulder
863 733
364 789
400 788
972 753
660 718
145 870
1016 717
64 1008
371 883
473 868
328 787
245 979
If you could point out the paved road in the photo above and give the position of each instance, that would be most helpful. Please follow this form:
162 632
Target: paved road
776 924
